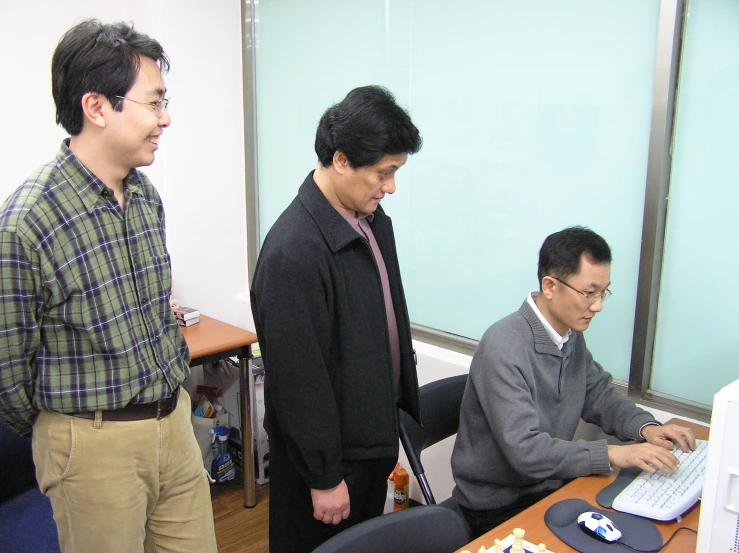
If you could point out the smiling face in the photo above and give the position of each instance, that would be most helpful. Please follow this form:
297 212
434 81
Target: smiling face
564 307
134 132
361 189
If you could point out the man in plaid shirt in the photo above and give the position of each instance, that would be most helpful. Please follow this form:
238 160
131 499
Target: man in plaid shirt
91 356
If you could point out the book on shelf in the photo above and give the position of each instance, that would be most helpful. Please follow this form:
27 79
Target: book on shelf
188 322
185 313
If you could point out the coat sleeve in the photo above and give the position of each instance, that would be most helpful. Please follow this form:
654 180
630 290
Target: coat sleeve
292 304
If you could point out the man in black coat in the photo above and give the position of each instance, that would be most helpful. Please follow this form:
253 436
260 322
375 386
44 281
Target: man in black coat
333 328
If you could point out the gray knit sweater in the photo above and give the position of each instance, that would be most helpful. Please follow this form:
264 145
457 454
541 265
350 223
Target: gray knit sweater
522 404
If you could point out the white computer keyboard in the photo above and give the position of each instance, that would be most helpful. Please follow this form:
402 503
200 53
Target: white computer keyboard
666 496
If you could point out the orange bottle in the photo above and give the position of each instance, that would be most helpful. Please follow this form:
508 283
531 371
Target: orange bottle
401 489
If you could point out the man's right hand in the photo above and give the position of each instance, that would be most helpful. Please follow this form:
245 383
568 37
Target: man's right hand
331 506
648 457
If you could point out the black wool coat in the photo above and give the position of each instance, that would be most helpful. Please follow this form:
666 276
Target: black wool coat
320 318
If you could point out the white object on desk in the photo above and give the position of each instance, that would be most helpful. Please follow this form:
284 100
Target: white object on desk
509 544
517 546
662 496
718 526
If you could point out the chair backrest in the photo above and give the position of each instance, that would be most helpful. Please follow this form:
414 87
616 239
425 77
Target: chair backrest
423 529
17 471
440 404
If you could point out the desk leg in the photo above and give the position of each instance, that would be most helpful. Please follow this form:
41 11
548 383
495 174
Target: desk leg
246 386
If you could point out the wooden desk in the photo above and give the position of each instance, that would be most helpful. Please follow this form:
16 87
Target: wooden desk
211 340
586 488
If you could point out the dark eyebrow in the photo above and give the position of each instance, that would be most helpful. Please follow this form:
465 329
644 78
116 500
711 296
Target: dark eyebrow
595 285
158 92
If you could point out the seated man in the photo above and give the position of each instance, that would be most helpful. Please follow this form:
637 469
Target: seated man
531 380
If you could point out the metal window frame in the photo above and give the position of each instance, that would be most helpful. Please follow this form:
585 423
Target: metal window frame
249 52
656 204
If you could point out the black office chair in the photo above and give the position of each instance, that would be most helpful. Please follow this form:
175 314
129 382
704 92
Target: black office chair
423 529
440 404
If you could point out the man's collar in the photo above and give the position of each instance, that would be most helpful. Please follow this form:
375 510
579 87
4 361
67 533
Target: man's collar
558 339
87 185
355 220
332 224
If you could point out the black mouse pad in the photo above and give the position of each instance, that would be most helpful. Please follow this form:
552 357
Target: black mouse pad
638 533
606 496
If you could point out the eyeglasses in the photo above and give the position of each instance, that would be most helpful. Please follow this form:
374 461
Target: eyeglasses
592 297
159 106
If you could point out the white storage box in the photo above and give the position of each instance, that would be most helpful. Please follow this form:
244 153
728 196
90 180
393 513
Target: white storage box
202 427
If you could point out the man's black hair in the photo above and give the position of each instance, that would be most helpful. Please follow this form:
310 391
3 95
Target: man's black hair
101 58
562 251
366 126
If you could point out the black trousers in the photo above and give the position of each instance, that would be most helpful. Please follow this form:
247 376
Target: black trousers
292 528
481 522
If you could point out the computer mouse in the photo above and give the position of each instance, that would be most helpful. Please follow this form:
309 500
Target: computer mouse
599 526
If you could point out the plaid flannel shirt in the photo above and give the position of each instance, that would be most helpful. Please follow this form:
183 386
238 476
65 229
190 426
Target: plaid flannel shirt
85 319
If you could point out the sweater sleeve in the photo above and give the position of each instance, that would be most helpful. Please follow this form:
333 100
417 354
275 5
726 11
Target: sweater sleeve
608 408
291 307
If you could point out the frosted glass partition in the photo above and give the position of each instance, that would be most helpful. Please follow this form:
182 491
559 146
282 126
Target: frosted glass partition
535 115
697 330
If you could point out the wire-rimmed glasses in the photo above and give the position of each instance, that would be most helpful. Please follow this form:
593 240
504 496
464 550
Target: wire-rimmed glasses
158 106
592 297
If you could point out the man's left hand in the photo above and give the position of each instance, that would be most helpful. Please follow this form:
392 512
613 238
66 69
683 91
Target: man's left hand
668 435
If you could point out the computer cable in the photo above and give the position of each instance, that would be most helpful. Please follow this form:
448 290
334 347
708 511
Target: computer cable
661 547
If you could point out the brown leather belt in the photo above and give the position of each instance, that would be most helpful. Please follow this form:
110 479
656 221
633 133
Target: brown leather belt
138 411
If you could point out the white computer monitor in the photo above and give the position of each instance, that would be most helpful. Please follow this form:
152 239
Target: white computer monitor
718 526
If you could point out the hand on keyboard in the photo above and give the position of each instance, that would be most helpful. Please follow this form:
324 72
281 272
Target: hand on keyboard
668 435
666 496
647 457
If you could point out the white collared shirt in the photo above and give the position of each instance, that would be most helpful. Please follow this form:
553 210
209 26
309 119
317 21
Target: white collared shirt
558 339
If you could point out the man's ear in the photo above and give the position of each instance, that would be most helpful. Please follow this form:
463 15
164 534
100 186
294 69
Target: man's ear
340 162
547 287
92 108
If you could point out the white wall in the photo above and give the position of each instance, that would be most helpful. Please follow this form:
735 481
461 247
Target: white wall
200 169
